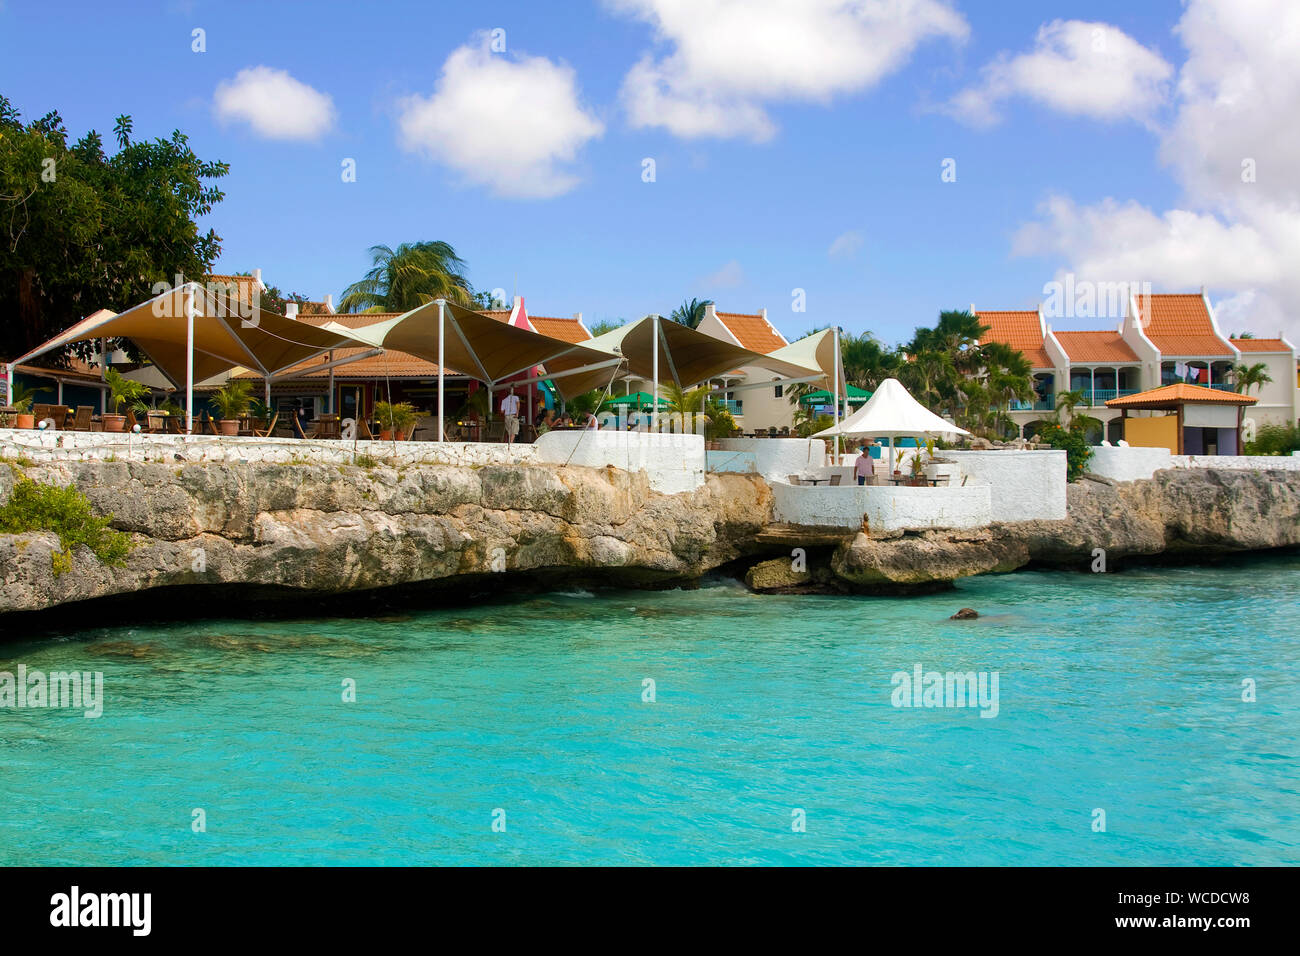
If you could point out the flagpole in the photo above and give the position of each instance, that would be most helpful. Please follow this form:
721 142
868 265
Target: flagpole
442 327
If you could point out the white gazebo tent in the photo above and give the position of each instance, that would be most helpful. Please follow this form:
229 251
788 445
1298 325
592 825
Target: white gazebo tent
191 335
476 345
891 413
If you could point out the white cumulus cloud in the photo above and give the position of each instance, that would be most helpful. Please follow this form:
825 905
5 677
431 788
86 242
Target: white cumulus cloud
1087 69
728 59
274 104
512 124
1237 227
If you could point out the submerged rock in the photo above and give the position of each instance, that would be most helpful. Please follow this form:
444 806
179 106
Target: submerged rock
965 614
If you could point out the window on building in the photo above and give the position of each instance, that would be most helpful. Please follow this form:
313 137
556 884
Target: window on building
778 391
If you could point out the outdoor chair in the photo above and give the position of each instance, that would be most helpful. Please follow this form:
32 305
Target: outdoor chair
327 426
81 423
1123 443
835 479
156 422
41 412
269 430
131 420
793 479
363 430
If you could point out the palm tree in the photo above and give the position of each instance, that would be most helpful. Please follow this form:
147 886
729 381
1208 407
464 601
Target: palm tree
407 277
691 314
957 333
867 362
684 402
1247 377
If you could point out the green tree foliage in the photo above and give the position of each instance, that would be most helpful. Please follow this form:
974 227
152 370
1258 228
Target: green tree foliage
1247 377
1275 440
407 277
691 314
1073 439
82 230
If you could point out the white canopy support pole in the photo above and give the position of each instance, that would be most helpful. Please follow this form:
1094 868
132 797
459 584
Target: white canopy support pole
103 376
442 328
189 362
331 401
9 383
59 400
654 365
835 386
891 454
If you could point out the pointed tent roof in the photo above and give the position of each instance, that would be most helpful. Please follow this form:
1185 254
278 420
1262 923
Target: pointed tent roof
223 339
686 357
892 412
479 346
1180 393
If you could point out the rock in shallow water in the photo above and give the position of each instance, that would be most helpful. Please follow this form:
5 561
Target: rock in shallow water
965 614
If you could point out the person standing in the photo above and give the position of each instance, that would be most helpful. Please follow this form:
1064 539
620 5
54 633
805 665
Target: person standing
864 467
510 409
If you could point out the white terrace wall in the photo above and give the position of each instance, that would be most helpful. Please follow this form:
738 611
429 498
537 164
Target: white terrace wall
1026 485
1133 464
885 507
673 463
72 446
778 458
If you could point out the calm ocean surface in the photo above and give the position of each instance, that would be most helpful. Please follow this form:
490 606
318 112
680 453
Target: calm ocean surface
1118 692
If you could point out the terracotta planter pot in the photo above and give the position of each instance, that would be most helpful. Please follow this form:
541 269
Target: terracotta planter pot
24 421
229 427
385 434
114 423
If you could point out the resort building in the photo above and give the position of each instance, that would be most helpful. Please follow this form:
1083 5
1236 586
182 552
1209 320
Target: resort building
755 409
1163 339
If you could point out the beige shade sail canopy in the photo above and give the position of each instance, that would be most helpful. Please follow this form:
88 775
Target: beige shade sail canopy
223 337
819 351
684 356
477 345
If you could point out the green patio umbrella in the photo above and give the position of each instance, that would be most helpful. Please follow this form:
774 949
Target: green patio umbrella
857 396
639 399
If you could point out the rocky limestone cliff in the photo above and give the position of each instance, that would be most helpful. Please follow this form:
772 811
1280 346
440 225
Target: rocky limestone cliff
318 530
329 529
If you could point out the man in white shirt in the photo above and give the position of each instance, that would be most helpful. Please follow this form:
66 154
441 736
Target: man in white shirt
510 409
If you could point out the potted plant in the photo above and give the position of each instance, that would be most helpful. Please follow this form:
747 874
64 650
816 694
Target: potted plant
22 406
936 467
260 412
395 419
121 390
231 402
918 469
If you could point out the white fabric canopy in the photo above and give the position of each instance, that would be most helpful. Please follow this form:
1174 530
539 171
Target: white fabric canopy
892 412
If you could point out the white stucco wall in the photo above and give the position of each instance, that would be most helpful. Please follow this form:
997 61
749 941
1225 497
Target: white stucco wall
673 463
1128 464
64 446
1026 485
1240 462
1133 464
778 458
886 508
743 462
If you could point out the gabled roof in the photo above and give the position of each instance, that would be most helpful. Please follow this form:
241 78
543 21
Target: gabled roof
753 332
1095 346
1019 329
568 330
1260 345
1180 393
245 286
1180 324
391 364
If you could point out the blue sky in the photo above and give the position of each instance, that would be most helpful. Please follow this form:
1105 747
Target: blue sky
739 216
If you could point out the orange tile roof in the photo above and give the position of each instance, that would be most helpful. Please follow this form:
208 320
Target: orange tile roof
1179 324
243 285
1019 329
753 332
1179 393
567 330
1260 345
1095 346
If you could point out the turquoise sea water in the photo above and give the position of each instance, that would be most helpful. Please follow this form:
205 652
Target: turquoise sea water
1118 692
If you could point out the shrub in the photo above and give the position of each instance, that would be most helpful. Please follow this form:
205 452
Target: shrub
67 512
1074 442
1275 440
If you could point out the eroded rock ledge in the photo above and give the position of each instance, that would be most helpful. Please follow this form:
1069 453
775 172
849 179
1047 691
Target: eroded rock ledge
317 530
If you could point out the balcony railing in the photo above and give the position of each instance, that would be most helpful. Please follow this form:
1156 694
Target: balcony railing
1045 404
734 405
